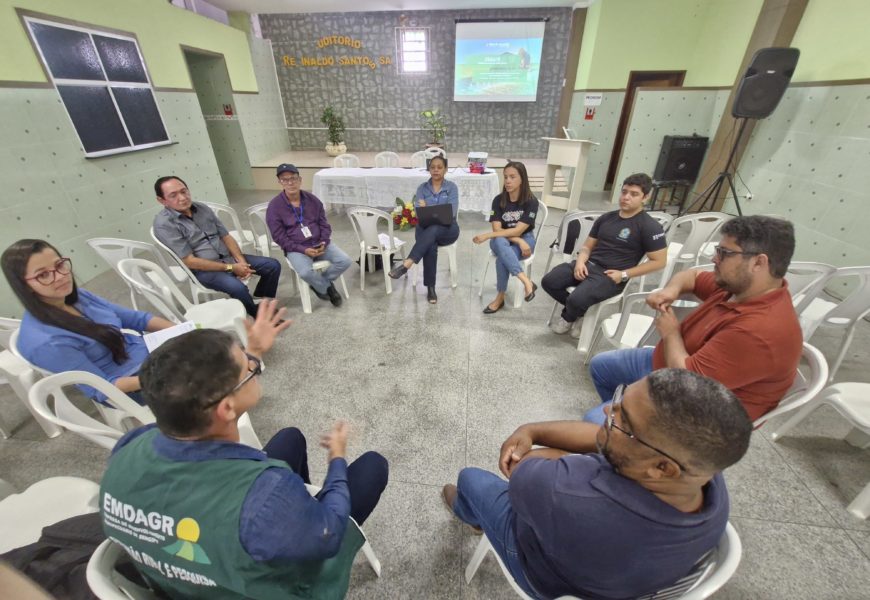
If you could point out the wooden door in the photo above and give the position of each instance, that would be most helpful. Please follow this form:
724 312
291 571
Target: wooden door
637 79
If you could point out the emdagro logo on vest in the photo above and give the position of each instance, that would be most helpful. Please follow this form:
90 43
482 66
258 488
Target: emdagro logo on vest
187 532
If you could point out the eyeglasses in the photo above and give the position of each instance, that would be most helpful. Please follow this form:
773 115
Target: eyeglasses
293 179
616 405
47 277
255 368
723 253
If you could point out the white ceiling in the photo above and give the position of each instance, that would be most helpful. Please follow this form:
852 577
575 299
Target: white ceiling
307 6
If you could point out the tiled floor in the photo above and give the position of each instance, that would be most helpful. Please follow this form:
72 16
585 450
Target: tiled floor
436 388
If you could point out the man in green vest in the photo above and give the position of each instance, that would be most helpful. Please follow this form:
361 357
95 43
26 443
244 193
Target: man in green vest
203 516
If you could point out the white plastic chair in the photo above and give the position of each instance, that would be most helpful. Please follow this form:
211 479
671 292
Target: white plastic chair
23 515
367 550
432 152
585 219
806 281
244 237
701 229
386 160
852 401
418 159
709 574
113 250
662 218
105 582
64 413
526 263
347 161
844 315
807 384
198 292
256 215
20 376
305 289
374 242
450 249
226 314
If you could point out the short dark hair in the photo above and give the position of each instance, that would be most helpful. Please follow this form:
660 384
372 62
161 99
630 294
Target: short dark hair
764 235
701 416
158 185
185 374
641 180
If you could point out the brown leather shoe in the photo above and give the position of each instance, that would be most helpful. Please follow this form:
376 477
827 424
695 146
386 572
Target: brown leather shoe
448 494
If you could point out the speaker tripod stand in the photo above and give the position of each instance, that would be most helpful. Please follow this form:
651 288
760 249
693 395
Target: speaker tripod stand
707 199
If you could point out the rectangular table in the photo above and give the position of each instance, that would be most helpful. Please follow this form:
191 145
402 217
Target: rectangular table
379 187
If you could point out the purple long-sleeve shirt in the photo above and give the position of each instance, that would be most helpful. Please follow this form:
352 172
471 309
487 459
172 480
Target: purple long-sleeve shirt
286 221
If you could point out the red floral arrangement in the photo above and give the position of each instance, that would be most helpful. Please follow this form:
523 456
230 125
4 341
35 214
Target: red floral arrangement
404 215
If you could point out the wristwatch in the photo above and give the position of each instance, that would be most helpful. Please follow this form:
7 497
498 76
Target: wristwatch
229 269
624 276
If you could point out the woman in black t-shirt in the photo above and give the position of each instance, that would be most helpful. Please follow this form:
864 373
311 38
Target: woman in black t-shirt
512 238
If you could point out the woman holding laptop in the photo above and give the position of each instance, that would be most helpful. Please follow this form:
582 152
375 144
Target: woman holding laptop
433 192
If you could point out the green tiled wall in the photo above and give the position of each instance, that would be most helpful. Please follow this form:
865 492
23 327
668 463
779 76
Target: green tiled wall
212 85
261 115
658 113
51 191
808 162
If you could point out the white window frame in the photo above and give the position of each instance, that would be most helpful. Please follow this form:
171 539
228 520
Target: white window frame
106 83
400 51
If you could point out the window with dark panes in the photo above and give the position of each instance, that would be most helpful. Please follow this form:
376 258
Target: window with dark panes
102 81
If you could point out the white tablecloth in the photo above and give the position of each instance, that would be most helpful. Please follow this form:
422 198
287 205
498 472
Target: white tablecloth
380 187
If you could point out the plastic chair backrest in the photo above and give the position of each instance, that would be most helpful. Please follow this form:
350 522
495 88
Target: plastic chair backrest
225 210
257 220
857 304
365 224
662 218
432 152
540 220
702 227
571 238
114 250
806 280
386 159
8 327
418 159
67 415
806 386
348 161
180 263
150 280
105 582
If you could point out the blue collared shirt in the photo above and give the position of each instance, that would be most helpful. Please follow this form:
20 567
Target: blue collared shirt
279 519
449 193
56 350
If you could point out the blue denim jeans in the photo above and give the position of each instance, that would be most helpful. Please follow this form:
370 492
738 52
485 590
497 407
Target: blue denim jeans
320 280
507 259
611 369
483 501
267 268
426 243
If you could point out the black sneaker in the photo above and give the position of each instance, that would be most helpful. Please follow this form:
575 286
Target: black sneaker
322 296
334 296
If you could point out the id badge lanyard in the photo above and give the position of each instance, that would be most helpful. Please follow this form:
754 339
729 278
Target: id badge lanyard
303 227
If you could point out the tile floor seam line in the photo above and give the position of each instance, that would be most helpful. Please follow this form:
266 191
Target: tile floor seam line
794 471
783 522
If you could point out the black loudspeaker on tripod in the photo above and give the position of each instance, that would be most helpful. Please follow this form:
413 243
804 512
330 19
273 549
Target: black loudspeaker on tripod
758 93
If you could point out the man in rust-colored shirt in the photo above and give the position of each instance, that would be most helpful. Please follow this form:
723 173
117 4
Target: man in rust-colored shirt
745 334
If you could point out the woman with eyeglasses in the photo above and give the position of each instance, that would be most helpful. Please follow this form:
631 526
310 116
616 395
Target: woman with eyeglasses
68 329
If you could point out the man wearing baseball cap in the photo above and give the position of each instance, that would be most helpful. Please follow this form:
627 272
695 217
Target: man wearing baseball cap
298 224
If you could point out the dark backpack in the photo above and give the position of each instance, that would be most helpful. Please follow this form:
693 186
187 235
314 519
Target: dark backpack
59 560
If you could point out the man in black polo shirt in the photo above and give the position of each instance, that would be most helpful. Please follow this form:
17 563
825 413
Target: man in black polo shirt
609 256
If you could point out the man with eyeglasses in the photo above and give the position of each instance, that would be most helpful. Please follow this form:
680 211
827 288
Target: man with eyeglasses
204 516
745 334
195 234
297 221
619 510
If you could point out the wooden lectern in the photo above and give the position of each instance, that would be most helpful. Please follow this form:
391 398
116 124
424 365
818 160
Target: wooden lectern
566 153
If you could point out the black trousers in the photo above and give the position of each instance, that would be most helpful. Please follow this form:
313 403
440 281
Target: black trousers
596 287
366 476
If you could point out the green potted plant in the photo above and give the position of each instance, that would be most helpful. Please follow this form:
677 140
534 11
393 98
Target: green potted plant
335 134
433 122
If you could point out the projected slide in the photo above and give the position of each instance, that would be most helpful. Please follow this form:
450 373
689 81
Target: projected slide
498 61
